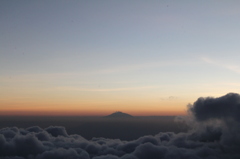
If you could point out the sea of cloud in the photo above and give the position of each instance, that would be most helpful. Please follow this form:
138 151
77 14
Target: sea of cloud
214 134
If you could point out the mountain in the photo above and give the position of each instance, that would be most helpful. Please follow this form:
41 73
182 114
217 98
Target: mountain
119 115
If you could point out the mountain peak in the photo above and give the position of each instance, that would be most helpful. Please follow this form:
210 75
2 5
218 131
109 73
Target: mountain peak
119 114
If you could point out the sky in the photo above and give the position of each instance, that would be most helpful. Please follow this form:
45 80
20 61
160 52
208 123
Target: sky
97 57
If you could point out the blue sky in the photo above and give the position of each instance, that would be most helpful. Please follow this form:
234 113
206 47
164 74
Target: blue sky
151 50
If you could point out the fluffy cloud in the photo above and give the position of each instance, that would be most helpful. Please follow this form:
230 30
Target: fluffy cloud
215 134
225 107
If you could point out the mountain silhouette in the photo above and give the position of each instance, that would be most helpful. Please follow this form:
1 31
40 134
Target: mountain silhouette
119 114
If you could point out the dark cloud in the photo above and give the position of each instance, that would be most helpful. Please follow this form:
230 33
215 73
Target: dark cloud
220 118
214 134
225 107
56 131
62 153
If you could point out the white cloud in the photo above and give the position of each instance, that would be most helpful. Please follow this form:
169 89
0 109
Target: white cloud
232 67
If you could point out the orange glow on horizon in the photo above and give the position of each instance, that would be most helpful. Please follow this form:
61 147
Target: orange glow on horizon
82 112
93 108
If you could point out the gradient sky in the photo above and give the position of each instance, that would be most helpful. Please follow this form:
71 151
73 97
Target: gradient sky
96 57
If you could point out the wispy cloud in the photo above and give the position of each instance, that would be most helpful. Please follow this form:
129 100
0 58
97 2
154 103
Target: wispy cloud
170 98
105 89
232 67
134 67
93 72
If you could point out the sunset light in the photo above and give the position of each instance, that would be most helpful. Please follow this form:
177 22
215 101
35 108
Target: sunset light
115 79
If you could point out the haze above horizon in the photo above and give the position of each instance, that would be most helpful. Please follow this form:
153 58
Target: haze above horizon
91 58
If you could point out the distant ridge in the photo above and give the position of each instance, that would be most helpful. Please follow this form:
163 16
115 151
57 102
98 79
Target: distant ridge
119 114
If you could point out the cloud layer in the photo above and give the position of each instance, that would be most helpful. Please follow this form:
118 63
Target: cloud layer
215 134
